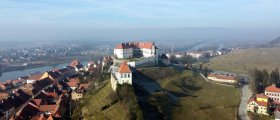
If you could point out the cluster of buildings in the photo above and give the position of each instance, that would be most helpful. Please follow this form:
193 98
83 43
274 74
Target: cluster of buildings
131 55
43 96
20 58
267 103
225 78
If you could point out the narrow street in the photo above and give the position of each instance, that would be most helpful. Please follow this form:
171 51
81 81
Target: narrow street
245 95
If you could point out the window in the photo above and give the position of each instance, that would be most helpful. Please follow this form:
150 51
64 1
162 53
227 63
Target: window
128 75
125 75
121 75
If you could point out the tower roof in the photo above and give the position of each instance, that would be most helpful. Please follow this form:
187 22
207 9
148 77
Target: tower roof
124 68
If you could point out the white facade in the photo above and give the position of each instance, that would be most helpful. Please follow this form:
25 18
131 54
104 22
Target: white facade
221 80
127 51
123 53
255 108
195 55
273 95
124 78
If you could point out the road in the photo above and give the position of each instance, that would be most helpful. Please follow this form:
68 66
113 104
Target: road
245 95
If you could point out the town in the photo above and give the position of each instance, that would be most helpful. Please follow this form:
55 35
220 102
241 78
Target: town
56 93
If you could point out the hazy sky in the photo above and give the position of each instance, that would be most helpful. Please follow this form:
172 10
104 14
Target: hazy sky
87 19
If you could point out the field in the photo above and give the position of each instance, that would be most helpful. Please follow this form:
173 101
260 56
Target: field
242 60
197 99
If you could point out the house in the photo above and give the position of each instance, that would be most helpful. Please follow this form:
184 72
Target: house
7 108
5 86
3 95
221 78
76 95
195 54
135 50
72 84
273 92
36 77
77 65
258 104
124 75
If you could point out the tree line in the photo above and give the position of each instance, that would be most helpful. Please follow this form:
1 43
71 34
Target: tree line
260 79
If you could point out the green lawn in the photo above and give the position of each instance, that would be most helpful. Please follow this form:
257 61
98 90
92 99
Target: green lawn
199 100
245 59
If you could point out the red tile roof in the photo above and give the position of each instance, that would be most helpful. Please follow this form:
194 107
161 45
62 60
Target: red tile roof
35 77
74 63
52 94
224 77
128 45
272 88
261 103
37 102
261 96
84 86
124 68
72 84
48 108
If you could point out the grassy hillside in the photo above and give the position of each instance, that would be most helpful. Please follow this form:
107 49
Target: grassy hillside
92 104
197 99
244 60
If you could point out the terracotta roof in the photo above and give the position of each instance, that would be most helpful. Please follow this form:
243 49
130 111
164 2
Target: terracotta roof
84 86
224 77
272 88
72 84
261 103
251 100
128 45
74 63
261 96
37 102
35 77
211 75
124 68
52 94
48 108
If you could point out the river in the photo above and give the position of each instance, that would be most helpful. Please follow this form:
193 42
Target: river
10 75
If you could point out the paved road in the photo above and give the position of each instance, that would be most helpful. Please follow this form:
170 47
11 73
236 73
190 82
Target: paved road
245 95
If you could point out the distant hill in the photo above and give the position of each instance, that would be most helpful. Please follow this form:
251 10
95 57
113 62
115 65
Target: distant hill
273 43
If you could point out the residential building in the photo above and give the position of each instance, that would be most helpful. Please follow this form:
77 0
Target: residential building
258 104
76 95
124 75
195 54
273 92
35 77
135 50
222 78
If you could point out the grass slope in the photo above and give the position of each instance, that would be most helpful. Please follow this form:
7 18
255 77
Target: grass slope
198 100
93 102
246 59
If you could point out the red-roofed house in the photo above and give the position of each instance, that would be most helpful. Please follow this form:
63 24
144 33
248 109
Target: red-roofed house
258 104
49 109
273 92
72 85
35 77
124 75
221 78
135 49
